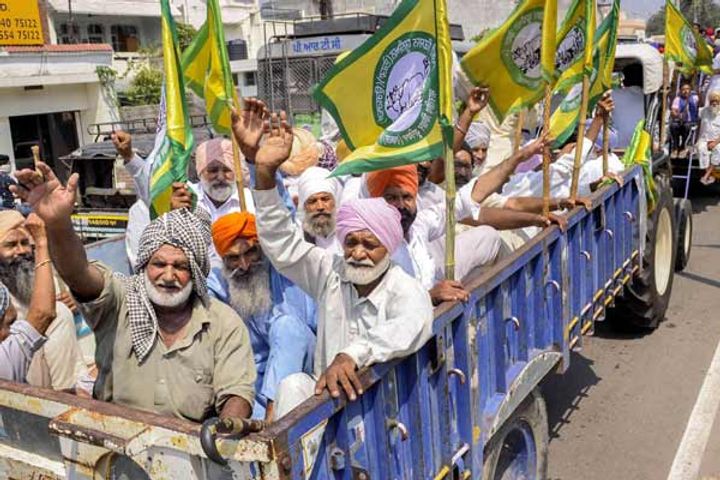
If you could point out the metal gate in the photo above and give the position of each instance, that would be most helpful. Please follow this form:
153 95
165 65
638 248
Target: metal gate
287 83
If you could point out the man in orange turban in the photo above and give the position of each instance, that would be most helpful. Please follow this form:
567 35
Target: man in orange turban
279 316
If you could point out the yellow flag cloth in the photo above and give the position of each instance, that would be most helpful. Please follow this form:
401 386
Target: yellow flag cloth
683 45
207 70
510 60
173 157
391 96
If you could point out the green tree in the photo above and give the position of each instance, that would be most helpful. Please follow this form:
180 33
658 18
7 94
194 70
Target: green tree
707 13
146 86
186 34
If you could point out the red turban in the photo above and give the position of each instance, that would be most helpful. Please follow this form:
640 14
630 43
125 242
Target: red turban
229 228
405 177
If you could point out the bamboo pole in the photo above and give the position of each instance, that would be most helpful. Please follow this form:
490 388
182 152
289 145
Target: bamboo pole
546 151
450 214
605 144
666 74
518 130
580 138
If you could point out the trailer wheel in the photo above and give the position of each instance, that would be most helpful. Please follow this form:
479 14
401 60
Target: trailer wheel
684 219
519 448
646 299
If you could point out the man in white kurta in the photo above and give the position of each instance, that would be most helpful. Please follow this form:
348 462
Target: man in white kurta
709 139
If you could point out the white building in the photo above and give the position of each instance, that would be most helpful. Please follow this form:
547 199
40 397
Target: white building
49 95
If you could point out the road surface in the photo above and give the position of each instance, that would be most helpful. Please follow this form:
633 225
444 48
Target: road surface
622 409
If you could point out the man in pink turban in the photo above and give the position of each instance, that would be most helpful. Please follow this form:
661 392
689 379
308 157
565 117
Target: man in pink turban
368 309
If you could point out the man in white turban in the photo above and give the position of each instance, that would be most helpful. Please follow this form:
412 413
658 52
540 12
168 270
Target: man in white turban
318 198
478 139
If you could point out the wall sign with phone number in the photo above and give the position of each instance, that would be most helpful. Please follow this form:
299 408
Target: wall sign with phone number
20 23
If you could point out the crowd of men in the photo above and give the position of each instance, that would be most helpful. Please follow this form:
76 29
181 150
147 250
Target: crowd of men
248 312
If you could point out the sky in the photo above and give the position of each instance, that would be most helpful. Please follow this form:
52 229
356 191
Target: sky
641 8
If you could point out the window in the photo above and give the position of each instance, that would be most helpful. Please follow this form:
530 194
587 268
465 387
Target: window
124 38
68 33
95 33
250 79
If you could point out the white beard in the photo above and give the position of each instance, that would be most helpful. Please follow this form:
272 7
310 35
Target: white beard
318 229
167 300
249 294
218 191
364 273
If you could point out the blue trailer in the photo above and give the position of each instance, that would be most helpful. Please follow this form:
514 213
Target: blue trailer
465 406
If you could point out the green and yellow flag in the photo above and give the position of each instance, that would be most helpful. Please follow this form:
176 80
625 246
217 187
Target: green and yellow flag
173 157
207 69
565 118
392 96
683 45
575 37
639 152
548 46
510 60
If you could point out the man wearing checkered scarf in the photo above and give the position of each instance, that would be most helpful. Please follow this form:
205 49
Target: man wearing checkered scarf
162 344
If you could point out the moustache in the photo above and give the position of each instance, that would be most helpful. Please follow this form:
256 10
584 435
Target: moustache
360 263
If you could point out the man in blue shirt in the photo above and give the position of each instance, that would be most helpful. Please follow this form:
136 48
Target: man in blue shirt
684 114
279 316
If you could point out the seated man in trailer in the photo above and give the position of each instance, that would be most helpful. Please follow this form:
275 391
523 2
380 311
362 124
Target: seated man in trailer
369 309
318 201
163 344
279 316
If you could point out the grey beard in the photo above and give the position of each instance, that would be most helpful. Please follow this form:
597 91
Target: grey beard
319 225
365 275
18 276
249 294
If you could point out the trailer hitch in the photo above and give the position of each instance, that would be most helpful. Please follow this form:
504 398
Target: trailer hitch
229 427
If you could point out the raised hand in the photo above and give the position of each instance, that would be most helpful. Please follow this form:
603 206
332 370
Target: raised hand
247 126
278 142
605 106
537 146
180 197
478 99
36 227
123 144
50 199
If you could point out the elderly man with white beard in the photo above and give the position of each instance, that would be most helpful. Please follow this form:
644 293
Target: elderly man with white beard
318 198
279 316
163 344
369 310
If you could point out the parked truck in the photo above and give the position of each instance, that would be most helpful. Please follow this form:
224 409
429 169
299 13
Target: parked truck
467 405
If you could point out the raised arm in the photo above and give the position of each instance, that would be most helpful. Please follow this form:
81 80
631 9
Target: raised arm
493 180
136 166
303 263
54 204
604 107
476 101
41 311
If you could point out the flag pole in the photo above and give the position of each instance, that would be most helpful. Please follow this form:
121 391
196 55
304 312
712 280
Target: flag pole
605 144
666 74
580 137
450 213
546 151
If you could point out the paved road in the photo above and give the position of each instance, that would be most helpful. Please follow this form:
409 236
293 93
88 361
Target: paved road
621 410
